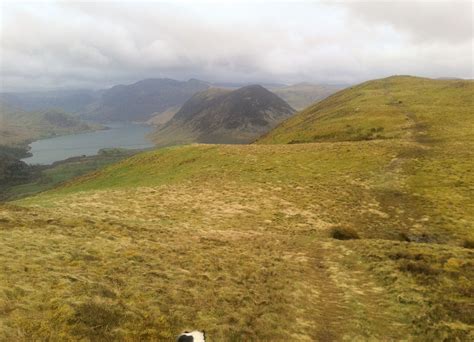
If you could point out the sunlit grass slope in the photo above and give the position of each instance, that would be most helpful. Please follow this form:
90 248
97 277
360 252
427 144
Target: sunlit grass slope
436 116
60 172
238 241
382 109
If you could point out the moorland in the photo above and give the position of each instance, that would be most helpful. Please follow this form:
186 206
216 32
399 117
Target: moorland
351 220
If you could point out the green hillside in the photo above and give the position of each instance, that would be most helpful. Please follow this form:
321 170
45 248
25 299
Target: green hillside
347 238
18 127
434 118
383 109
31 180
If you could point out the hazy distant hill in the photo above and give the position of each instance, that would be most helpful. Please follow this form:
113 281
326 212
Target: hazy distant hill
71 101
224 116
142 100
151 100
17 127
301 95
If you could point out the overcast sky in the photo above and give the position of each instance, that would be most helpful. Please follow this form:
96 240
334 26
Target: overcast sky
99 44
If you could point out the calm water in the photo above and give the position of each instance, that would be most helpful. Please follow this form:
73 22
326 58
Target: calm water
47 151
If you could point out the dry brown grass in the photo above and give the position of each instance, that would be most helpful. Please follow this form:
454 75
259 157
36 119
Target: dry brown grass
202 256
235 240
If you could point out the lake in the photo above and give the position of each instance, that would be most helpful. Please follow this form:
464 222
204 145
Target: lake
125 135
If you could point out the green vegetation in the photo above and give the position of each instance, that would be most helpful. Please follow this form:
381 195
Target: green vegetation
434 118
347 238
40 178
18 127
392 107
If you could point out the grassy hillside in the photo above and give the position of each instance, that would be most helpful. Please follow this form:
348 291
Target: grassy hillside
18 127
40 178
335 240
434 117
382 109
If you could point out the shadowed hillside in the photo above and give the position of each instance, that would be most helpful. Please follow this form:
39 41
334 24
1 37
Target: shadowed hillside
71 101
348 238
224 116
142 100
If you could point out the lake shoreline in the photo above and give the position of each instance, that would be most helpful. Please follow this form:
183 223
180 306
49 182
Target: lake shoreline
114 135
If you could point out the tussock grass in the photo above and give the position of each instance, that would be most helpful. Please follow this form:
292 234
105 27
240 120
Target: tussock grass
236 240
344 233
440 277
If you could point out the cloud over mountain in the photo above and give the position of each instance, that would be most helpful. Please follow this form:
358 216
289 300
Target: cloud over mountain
79 44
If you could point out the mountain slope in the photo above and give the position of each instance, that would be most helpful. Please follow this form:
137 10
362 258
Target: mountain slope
71 101
361 239
383 108
301 95
139 101
204 226
435 121
224 116
18 127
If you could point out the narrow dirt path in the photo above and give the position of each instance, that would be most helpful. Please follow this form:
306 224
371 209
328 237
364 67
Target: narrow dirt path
333 312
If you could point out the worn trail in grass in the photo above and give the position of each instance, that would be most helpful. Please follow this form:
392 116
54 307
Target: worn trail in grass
236 240
204 260
230 239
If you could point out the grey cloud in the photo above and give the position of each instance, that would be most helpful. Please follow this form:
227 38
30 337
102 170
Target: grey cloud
449 21
98 45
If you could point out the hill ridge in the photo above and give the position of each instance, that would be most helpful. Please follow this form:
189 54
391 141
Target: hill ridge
224 116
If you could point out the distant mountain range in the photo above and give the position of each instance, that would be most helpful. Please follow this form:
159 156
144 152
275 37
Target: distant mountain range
154 101
19 127
72 101
224 116
142 100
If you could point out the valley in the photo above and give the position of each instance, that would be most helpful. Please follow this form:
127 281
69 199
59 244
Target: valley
116 135
242 171
351 220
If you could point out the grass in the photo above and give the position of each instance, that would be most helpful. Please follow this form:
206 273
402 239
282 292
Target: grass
238 240
382 109
441 280
18 128
58 173
343 233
